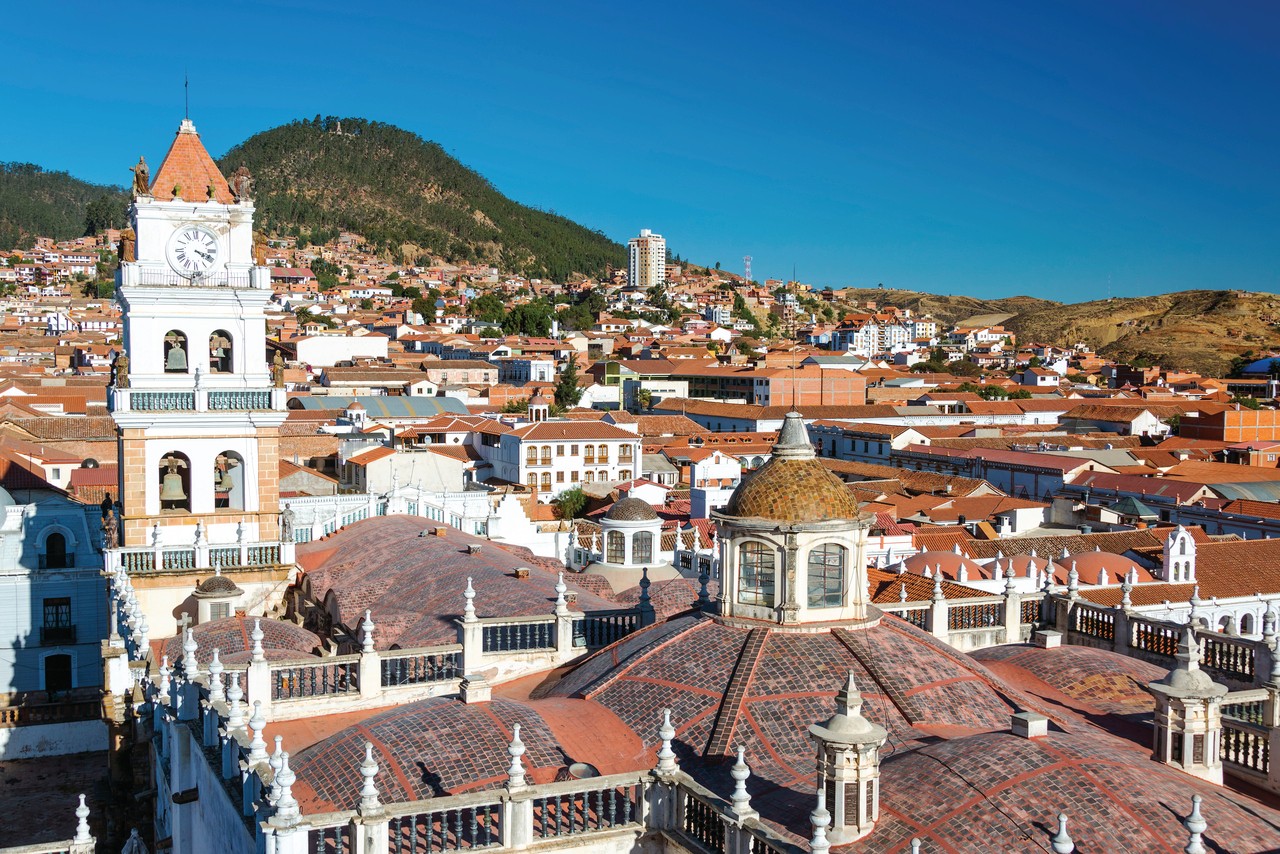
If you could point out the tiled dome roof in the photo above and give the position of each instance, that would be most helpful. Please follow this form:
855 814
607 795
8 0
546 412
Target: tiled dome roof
794 486
631 510
280 640
950 564
1089 566
218 585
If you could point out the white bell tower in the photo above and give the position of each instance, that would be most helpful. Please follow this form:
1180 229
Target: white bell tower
196 405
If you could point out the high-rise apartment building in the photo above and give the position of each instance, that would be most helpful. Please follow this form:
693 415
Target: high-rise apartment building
647 259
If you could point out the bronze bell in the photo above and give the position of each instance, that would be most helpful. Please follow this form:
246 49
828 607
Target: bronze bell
177 358
225 483
171 488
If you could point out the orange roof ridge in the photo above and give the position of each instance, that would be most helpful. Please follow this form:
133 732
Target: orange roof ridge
189 168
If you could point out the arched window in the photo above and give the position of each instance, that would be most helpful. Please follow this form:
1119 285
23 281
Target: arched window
589 477
1182 547
624 474
589 454
55 551
533 482
755 574
175 352
603 475
220 352
531 455
175 482
546 481
603 453
642 547
1246 624
228 481
826 576
546 455
624 453
616 548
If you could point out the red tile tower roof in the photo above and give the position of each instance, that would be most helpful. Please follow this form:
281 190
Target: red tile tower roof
189 168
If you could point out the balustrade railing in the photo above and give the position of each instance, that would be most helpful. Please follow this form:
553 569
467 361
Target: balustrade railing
1228 657
700 821
162 401
578 811
519 636
1031 610
1094 622
179 559
138 561
1153 637
301 680
980 615
1246 745
262 555
415 667
337 839
918 617
223 401
446 828
224 557
600 628
1249 711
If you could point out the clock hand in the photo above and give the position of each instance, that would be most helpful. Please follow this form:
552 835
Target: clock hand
205 255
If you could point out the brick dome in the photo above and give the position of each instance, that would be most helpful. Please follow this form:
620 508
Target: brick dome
631 510
794 486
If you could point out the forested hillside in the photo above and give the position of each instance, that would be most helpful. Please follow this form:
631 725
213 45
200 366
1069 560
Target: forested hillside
407 197
36 203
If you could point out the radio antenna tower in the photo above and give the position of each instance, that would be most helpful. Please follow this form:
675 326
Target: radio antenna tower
746 262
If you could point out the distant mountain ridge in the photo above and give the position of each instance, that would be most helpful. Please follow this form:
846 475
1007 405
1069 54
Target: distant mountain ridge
38 203
407 197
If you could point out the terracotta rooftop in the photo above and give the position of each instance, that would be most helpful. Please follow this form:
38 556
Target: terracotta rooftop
189 168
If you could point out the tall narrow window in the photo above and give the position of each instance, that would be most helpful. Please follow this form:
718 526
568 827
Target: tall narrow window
616 548
642 547
175 352
826 576
755 574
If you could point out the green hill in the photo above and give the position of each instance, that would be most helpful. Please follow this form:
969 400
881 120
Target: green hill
407 197
36 203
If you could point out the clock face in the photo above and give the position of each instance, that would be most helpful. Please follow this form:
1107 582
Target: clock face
193 250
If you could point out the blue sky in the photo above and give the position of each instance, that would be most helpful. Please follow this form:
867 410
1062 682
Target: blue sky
991 147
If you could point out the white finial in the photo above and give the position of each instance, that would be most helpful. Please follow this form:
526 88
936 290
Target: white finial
287 812
189 647
257 746
997 572
915 845
255 652
1126 601
1195 825
515 773
235 711
1275 662
1269 624
902 594
1061 840
937 586
562 607
666 756
216 694
276 761
1073 579
741 772
469 612
820 818
82 828
1103 578
163 694
369 803
367 632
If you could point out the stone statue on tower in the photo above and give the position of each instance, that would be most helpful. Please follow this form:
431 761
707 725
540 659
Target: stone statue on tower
141 178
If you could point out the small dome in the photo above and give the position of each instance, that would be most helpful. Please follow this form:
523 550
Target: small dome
539 400
355 406
949 563
89 463
218 585
1089 567
631 510
793 486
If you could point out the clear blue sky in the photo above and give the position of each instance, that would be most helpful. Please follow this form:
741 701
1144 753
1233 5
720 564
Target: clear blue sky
989 147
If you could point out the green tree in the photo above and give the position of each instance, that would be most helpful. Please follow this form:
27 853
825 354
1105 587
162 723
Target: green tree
366 304
517 405
424 308
1019 394
103 213
488 307
567 392
1247 402
644 399
570 503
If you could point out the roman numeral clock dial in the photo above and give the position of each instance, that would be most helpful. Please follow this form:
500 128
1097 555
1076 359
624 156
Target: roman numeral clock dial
193 251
